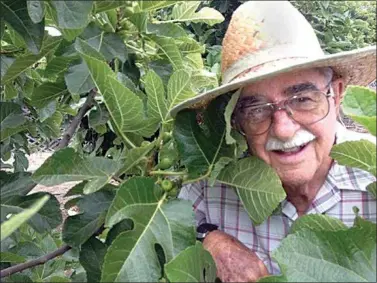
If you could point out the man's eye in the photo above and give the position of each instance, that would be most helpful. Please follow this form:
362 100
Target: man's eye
304 99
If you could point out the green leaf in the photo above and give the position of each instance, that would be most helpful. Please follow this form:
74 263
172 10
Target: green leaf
329 256
78 79
257 184
102 6
125 108
169 48
156 104
36 10
11 115
154 5
11 257
273 278
110 45
185 12
201 146
372 188
194 264
21 64
219 166
45 220
359 103
66 165
11 225
57 67
51 126
360 154
92 254
122 226
166 29
10 91
72 14
47 92
98 116
318 222
189 45
139 20
79 228
169 224
368 122
179 88
134 157
6 62
228 117
15 14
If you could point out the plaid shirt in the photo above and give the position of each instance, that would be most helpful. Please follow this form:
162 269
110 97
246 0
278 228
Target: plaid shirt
343 189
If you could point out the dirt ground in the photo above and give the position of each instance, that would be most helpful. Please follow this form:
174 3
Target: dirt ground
35 161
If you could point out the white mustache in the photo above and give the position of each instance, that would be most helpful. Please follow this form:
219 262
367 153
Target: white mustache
300 138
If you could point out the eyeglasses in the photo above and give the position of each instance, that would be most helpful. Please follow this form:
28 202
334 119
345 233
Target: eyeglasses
307 107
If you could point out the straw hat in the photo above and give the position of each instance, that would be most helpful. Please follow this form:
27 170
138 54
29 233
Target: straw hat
266 38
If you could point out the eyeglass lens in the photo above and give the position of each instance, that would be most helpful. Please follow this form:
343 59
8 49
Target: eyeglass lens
305 108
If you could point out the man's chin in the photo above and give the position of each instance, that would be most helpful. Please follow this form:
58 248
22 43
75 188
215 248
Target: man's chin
294 178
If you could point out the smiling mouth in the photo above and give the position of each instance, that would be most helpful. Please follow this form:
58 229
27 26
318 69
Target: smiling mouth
292 150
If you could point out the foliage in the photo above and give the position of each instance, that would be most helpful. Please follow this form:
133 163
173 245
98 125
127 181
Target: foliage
341 25
138 59
360 104
324 251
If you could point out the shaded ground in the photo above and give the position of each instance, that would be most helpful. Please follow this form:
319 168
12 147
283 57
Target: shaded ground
35 161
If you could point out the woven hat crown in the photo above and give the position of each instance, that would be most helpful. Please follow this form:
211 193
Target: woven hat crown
266 31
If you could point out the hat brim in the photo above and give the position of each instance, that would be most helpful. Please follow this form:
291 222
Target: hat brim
356 67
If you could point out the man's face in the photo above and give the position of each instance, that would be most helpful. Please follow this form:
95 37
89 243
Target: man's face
298 164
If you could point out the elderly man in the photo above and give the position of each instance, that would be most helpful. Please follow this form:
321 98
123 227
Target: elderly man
287 110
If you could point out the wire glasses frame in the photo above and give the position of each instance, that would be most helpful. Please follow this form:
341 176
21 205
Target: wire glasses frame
306 108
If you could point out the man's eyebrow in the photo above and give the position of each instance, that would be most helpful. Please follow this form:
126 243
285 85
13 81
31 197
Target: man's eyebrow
300 87
246 100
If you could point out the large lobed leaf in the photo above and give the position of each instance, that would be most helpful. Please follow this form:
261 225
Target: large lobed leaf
194 264
125 107
92 254
67 165
201 146
360 104
14 185
330 255
132 255
360 154
257 184
11 225
15 13
185 12
46 219
72 14
79 228
22 63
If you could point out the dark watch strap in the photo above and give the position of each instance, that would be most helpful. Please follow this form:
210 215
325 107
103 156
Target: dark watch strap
203 229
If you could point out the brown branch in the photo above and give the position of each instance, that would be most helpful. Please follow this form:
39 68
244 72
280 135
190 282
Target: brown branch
76 120
41 260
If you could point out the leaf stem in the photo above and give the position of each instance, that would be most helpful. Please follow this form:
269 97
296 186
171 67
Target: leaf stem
171 173
200 178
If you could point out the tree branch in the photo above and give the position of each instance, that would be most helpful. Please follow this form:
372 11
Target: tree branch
41 260
77 119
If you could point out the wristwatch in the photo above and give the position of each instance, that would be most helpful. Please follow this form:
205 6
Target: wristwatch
203 229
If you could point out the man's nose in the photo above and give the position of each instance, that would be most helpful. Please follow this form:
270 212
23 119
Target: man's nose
283 126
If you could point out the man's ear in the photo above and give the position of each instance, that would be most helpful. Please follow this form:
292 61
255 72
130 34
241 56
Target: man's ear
339 92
